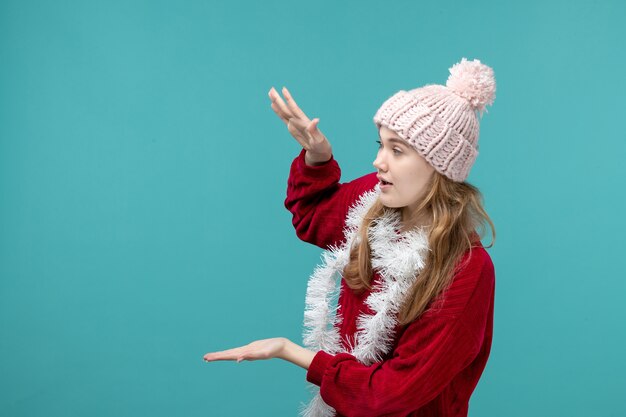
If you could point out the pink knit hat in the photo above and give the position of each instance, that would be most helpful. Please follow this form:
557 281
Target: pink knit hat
441 122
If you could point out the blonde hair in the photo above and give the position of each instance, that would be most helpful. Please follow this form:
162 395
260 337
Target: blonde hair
456 212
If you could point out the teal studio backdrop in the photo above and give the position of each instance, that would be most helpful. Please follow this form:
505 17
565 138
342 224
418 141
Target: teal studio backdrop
143 175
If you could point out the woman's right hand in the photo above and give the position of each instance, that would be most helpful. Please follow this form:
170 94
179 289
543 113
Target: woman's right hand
303 129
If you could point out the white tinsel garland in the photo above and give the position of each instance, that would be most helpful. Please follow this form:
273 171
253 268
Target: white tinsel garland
397 257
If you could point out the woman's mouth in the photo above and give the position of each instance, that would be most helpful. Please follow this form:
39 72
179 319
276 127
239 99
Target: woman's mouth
383 184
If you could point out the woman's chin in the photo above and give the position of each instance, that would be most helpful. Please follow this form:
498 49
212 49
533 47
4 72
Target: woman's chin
389 204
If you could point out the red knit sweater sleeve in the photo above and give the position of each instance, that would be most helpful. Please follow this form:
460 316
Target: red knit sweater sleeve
319 203
429 354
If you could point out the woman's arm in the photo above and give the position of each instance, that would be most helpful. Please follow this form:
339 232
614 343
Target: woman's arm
319 203
429 353
426 359
297 355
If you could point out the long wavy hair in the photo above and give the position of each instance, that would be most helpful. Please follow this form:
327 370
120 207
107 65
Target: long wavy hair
457 221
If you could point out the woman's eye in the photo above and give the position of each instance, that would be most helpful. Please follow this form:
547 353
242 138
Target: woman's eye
396 151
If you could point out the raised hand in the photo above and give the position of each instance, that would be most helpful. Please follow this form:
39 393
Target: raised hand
303 129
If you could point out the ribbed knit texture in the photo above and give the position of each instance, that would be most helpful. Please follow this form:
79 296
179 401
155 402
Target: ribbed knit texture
437 360
441 122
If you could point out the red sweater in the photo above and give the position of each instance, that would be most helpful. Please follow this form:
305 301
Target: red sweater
436 360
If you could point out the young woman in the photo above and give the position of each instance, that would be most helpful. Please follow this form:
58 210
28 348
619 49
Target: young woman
411 331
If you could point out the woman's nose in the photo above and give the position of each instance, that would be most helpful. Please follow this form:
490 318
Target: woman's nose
379 163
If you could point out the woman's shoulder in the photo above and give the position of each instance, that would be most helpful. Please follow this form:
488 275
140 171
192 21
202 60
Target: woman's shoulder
483 257
472 284
475 264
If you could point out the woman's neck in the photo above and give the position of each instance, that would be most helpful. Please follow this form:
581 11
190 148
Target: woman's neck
415 222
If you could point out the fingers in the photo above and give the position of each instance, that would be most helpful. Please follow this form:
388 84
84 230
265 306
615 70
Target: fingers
293 106
312 128
259 349
314 135
279 106
304 130
236 354
225 355
309 127
279 113
287 110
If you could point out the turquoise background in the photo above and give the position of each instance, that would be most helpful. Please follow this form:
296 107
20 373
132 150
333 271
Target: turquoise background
143 175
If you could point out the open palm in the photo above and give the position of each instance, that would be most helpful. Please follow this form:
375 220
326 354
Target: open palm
259 349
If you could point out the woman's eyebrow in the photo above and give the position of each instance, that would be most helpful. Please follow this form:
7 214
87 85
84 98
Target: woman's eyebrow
396 140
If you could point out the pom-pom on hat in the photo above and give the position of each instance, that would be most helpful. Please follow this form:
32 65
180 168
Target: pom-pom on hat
442 122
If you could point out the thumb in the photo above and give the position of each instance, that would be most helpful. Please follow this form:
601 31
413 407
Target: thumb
312 127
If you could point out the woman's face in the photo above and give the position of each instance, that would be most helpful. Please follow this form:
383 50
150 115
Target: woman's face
398 163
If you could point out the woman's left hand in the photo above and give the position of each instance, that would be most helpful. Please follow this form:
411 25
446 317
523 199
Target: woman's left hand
260 349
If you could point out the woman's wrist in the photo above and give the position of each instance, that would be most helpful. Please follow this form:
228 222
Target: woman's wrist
316 159
297 354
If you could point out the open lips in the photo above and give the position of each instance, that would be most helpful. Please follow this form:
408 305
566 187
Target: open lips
382 181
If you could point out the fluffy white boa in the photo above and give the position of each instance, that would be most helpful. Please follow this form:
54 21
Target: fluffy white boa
397 257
